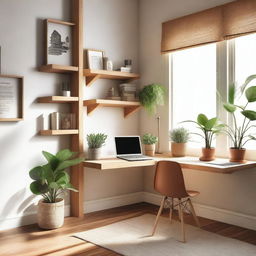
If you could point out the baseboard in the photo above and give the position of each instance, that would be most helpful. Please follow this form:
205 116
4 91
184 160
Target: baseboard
230 217
112 202
213 213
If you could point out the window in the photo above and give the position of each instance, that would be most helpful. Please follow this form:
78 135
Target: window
196 73
193 86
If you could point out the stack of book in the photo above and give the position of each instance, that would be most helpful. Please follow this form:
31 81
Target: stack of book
128 92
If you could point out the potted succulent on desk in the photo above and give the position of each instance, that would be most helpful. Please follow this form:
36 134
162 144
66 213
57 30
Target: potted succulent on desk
209 128
50 181
95 142
239 133
179 138
149 141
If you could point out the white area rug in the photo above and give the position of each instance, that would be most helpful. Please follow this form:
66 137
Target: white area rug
131 238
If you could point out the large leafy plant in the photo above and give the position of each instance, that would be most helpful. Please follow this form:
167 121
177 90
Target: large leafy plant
96 140
151 96
51 179
209 128
239 133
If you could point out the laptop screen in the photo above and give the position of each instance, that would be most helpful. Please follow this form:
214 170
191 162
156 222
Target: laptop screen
128 145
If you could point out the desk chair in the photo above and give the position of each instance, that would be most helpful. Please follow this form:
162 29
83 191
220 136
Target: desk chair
169 182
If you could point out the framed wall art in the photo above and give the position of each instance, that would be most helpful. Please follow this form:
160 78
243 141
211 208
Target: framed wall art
59 42
11 98
94 59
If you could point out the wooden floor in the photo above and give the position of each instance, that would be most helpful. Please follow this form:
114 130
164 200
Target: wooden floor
31 241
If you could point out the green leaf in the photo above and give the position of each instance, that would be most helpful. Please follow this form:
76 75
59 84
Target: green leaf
70 187
48 173
62 178
52 160
36 173
229 107
202 119
250 114
68 163
231 93
64 154
210 123
250 94
54 185
247 81
38 188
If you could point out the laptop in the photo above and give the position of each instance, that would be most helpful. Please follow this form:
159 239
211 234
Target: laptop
129 148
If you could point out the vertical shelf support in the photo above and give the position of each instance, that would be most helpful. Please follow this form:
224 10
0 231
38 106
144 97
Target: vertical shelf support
77 172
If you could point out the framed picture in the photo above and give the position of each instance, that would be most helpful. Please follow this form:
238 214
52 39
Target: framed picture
11 98
94 59
59 42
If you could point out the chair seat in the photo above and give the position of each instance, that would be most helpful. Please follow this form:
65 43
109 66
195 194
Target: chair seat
192 193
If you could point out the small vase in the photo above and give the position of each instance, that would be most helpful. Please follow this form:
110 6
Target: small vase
178 149
150 150
50 215
237 155
208 154
94 153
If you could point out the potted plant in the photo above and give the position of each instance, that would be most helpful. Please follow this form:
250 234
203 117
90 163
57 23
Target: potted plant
179 138
149 141
95 142
239 133
50 181
209 128
151 96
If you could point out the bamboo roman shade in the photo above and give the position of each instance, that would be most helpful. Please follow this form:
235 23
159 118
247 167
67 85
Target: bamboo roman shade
212 25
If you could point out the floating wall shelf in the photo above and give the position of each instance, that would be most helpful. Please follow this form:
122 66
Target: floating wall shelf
57 132
129 107
92 75
57 99
53 68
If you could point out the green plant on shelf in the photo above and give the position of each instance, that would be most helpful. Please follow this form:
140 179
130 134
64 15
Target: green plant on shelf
179 135
149 139
51 179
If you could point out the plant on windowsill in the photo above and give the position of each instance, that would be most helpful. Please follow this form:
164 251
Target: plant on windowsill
179 138
151 96
239 133
50 181
209 128
95 142
149 141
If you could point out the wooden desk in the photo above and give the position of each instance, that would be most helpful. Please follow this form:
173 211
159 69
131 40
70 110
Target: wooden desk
185 162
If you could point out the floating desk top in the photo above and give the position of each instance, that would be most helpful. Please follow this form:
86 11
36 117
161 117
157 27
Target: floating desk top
219 165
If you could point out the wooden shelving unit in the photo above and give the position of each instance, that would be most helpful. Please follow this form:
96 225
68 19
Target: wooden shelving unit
57 132
53 68
92 75
57 99
129 107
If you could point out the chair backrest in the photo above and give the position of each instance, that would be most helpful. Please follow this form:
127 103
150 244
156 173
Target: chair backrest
169 179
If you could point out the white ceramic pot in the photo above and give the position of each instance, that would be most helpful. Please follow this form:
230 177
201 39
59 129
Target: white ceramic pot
150 150
50 215
94 153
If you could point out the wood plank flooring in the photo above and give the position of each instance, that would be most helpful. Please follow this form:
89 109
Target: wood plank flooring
31 241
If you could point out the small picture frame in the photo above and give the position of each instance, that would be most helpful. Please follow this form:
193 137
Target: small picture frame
59 42
94 59
11 98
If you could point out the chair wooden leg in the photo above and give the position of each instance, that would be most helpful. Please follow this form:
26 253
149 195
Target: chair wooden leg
158 214
182 222
194 213
171 211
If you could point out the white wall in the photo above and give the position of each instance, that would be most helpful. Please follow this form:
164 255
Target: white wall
234 192
109 25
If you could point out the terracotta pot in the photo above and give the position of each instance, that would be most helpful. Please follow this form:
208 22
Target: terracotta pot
237 155
178 149
50 215
94 153
208 154
150 150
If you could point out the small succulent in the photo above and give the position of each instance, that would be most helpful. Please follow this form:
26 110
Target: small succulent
149 139
96 140
179 135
